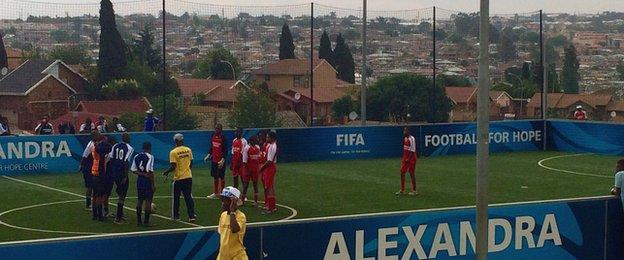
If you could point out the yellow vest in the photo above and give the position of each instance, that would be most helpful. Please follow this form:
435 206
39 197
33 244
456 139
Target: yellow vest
231 244
182 157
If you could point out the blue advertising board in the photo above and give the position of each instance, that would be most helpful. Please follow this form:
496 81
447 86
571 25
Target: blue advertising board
572 229
62 153
586 137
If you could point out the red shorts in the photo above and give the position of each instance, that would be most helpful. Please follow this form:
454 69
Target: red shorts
238 172
251 174
268 176
408 167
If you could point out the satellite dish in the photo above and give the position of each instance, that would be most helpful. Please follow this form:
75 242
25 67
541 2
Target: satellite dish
4 71
297 96
613 114
353 116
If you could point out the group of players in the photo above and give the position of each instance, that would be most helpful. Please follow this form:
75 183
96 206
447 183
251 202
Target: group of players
106 164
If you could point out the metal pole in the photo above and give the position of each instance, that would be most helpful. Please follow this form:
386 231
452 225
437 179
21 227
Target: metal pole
364 67
311 64
544 79
483 129
164 67
434 46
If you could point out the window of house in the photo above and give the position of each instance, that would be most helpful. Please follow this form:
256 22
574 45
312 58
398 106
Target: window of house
267 77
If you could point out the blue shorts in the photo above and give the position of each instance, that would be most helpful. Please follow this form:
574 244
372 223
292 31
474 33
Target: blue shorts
217 172
145 194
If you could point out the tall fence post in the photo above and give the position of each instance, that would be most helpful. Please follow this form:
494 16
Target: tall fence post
312 64
433 34
483 129
544 80
364 66
164 67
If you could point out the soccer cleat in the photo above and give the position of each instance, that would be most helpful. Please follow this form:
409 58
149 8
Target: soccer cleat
88 208
267 212
119 221
192 220
413 193
399 193
212 196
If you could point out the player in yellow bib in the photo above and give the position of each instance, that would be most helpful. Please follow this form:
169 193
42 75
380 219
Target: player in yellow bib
232 226
181 159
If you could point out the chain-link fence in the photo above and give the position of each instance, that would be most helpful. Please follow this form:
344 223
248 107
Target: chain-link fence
313 74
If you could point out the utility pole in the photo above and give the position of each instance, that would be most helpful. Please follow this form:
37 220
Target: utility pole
364 66
433 34
544 79
483 129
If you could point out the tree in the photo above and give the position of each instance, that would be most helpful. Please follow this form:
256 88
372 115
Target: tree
342 107
554 85
351 34
70 54
570 75
133 122
60 36
325 50
212 65
143 49
619 68
253 110
4 60
122 89
344 61
287 47
177 117
425 27
558 41
394 97
112 62
508 50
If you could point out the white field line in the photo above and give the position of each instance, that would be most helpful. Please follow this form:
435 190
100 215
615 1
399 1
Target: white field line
43 230
541 164
82 196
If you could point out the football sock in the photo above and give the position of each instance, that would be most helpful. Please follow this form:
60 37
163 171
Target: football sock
138 213
256 197
106 210
88 201
216 186
119 210
413 181
402 182
147 216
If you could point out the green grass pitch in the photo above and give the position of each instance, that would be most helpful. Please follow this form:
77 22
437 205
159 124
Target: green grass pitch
49 203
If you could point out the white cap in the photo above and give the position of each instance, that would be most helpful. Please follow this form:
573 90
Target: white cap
178 137
231 192
579 107
150 111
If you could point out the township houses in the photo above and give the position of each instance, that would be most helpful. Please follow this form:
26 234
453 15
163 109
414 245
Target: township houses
562 105
106 108
290 79
37 88
465 103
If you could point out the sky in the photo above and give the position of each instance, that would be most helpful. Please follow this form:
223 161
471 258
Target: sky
496 6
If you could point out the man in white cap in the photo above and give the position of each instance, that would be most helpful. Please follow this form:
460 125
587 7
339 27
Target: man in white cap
181 159
580 114
232 226
150 121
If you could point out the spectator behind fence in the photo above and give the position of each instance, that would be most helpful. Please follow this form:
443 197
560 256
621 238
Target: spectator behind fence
44 127
66 128
619 180
102 125
580 114
87 126
4 126
117 126
151 122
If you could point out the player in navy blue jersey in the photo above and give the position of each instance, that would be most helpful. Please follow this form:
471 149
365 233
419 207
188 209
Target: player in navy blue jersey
119 165
143 166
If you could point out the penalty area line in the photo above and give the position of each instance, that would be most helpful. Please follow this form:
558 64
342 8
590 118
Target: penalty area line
541 164
82 196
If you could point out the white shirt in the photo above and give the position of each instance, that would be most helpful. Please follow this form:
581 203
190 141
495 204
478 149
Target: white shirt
412 146
148 168
2 129
126 156
120 128
88 150
242 140
272 152
83 126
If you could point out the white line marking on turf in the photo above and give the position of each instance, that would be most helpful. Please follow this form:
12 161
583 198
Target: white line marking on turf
82 196
541 164
43 230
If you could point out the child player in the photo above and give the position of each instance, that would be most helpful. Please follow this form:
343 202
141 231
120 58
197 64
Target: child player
236 166
143 166
268 171
251 165
408 161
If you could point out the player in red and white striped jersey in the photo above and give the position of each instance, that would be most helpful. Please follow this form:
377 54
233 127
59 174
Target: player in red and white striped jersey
268 171
251 165
408 161
236 165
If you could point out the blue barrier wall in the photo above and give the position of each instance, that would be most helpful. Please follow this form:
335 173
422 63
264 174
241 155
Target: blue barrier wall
62 153
586 137
573 229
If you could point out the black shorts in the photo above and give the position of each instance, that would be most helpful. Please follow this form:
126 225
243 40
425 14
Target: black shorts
99 185
217 172
145 194
121 184
88 180
109 186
